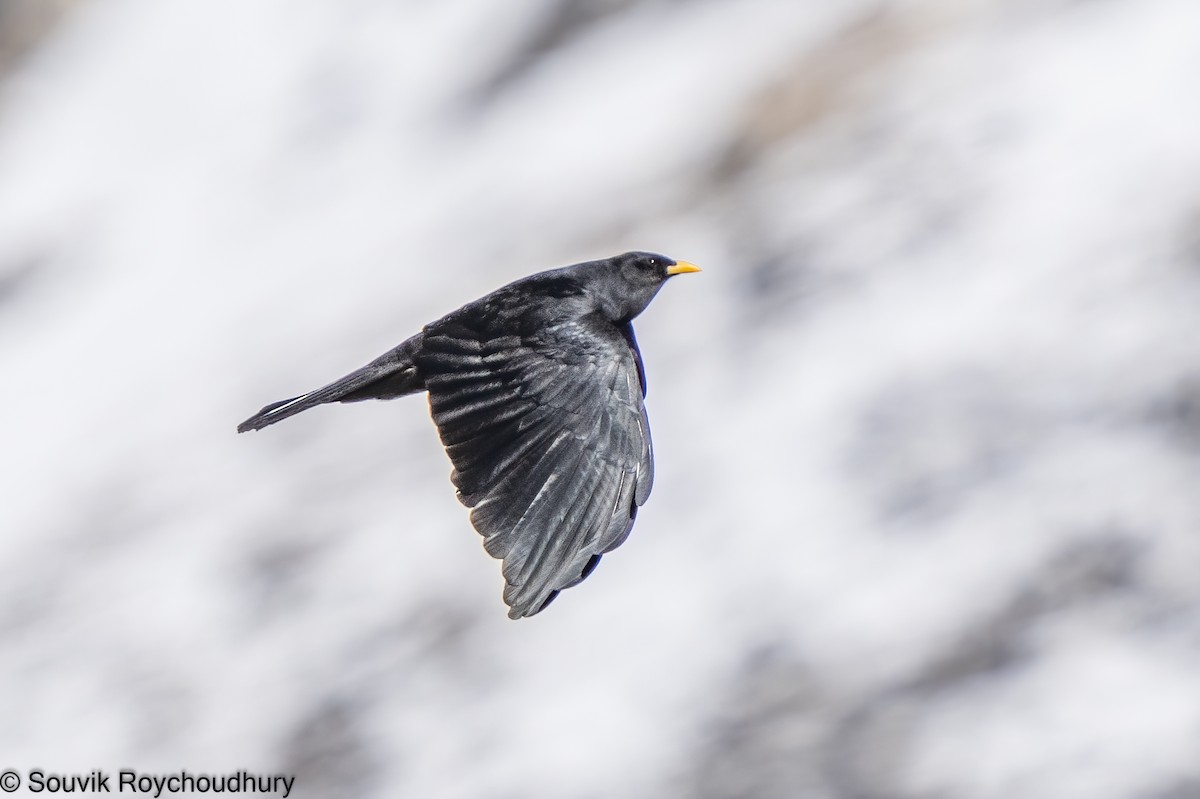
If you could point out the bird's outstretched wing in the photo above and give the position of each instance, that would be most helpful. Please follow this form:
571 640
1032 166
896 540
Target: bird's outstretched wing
550 444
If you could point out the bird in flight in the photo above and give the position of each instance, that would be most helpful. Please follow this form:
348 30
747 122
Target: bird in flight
536 390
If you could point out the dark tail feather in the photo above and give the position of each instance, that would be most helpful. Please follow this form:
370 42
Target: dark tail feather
393 374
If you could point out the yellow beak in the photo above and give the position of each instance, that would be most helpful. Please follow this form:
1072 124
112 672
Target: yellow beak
681 268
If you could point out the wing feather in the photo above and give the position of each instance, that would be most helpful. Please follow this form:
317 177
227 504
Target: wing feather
549 440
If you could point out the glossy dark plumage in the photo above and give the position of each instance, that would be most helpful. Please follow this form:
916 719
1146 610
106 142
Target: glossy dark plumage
536 390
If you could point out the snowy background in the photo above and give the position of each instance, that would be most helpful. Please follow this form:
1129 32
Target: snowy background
927 512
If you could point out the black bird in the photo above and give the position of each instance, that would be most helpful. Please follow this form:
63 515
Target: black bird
536 390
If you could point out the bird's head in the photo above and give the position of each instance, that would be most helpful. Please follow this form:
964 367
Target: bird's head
624 285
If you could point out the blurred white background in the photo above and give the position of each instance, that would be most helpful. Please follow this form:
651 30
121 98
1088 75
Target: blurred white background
927 513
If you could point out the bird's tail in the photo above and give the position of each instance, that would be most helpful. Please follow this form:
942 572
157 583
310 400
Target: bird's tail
393 374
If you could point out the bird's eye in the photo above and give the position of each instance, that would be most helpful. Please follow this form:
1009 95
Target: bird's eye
652 261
